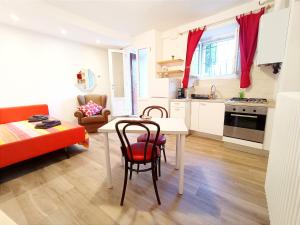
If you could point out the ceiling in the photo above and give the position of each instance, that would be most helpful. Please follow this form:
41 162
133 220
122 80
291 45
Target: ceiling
106 23
133 17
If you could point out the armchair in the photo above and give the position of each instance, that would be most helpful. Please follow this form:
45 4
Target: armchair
92 123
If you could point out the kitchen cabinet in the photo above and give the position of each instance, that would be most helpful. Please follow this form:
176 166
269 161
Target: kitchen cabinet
272 37
180 109
207 117
143 103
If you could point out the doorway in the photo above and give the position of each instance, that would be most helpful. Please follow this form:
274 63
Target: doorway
123 82
134 80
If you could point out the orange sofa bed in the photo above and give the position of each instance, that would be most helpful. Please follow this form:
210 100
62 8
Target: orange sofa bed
19 140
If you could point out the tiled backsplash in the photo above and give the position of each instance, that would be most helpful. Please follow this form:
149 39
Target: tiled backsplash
263 85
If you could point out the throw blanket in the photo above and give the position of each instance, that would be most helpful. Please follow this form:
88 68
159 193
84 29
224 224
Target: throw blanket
21 130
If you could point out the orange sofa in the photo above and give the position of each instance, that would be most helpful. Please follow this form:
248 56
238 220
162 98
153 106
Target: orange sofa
19 140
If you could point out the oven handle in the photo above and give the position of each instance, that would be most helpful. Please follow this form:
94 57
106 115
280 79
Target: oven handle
246 116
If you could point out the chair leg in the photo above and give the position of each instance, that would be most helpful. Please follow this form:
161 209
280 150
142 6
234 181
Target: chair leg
154 182
125 182
159 171
163 149
138 168
155 167
130 176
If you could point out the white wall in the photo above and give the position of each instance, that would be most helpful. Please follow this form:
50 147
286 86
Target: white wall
290 79
36 68
264 83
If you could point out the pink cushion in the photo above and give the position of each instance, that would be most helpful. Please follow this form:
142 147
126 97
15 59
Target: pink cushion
90 109
160 141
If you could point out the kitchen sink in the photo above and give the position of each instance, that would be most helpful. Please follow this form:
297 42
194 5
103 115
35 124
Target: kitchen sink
199 96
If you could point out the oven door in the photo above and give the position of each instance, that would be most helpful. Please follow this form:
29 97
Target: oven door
245 126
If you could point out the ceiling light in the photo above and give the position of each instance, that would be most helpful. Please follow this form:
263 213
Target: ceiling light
63 31
14 17
98 42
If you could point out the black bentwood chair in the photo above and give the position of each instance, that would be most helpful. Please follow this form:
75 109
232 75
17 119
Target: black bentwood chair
139 152
161 141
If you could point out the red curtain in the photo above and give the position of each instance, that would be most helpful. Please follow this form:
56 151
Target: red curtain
192 42
249 25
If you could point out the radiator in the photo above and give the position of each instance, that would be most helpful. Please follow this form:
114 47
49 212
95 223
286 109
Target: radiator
283 173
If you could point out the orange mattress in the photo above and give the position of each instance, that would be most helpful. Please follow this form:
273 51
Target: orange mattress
20 140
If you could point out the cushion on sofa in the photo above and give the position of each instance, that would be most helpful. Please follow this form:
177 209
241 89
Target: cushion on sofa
90 109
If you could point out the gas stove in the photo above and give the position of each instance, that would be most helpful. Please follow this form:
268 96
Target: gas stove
249 100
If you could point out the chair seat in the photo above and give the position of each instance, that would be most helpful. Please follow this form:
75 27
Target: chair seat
160 141
138 150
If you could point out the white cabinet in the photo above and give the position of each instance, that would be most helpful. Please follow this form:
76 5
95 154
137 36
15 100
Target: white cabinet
208 117
194 116
181 110
143 103
272 37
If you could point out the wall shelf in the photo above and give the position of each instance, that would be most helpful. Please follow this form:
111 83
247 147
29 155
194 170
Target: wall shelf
174 62
171 73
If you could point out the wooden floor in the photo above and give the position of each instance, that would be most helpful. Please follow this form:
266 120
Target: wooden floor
222 186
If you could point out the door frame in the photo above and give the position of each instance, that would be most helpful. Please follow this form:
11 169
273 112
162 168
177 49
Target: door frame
126 76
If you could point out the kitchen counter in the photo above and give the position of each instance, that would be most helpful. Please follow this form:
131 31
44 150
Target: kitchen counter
217 100
270 104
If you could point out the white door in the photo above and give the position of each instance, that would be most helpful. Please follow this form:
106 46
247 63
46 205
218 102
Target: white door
119 74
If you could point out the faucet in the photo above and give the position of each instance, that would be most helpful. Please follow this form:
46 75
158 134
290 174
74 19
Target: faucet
213 91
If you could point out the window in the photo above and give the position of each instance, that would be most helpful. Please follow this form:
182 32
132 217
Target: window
143 72
216 55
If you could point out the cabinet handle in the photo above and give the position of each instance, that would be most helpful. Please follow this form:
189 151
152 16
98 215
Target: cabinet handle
245 116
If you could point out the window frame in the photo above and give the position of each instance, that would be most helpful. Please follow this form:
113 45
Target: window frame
237 69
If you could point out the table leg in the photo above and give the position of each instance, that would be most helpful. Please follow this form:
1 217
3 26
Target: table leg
107 157
122 160
181 163
177 150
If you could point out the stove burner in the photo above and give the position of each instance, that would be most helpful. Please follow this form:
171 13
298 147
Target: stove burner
251 100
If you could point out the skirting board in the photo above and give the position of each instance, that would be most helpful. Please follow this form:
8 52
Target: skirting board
245 146
210 136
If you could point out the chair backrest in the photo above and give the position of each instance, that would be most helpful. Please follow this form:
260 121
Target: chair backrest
125 144
98 99
162 110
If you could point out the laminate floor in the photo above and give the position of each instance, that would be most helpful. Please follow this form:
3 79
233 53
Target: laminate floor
222 187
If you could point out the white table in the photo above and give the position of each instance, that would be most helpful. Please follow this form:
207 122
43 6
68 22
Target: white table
174 126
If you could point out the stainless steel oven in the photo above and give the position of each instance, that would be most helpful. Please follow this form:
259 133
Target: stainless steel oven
245 122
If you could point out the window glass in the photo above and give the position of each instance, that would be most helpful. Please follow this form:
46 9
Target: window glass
216 55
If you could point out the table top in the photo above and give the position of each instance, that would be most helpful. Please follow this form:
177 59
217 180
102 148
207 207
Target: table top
167 126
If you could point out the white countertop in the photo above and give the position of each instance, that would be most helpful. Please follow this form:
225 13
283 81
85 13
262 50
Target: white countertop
270 104
217 100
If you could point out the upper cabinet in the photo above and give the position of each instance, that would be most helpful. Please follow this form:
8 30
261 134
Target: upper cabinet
272 37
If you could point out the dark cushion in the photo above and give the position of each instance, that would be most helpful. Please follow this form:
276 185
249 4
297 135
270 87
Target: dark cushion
160 141
138 150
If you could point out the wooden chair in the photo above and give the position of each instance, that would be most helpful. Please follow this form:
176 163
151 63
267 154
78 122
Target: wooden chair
161 139
139 152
